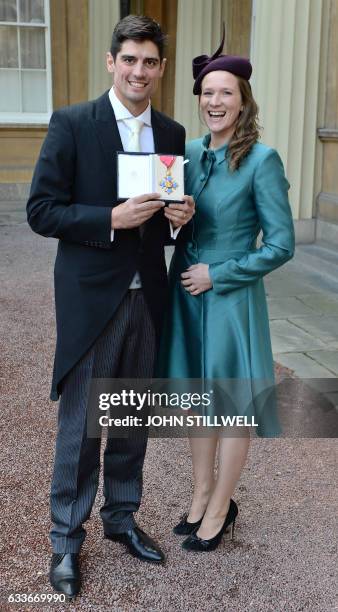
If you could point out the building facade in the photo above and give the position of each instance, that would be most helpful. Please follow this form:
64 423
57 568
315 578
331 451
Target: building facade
52 53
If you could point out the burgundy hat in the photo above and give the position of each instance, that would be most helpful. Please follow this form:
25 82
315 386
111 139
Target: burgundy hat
201 65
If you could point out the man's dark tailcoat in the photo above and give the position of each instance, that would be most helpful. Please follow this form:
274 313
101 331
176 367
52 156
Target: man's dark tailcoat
73 191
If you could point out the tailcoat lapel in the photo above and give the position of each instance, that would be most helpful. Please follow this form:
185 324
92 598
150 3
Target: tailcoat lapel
162 144
105 126
161 133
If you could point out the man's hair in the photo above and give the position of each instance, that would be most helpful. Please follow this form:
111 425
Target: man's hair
138 28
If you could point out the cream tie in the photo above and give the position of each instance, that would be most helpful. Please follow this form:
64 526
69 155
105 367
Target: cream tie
135 126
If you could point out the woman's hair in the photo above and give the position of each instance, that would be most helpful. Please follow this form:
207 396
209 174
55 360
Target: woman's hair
247 128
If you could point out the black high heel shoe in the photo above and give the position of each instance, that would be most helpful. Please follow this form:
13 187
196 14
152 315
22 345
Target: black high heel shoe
193 542
186 528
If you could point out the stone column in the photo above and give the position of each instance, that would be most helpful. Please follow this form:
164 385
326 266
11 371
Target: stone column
286 42
198 31
327 201
103 16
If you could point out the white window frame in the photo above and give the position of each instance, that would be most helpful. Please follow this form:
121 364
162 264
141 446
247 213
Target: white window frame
9 118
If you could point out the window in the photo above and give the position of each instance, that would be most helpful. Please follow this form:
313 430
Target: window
25 63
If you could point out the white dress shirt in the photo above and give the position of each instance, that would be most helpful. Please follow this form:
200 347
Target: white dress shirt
146 146
121 113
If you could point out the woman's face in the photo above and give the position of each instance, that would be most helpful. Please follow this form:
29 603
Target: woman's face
220 103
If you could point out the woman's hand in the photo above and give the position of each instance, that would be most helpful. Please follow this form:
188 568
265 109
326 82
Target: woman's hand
196 279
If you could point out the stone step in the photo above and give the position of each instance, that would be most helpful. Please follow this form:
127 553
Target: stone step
321 258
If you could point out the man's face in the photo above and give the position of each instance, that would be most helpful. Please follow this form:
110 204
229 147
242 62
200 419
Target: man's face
137 69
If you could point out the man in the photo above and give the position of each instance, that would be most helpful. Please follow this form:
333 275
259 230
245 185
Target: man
107 326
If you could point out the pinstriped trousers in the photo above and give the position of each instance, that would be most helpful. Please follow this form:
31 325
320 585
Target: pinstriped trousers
125 349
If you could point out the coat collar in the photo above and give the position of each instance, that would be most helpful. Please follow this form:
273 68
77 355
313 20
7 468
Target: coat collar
218 155
110 136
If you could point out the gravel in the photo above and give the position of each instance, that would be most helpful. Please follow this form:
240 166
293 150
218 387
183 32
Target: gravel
283 554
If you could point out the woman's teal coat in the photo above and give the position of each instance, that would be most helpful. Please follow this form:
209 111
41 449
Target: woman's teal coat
224 333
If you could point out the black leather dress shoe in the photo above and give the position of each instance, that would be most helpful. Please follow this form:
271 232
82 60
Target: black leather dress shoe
139 544
64 574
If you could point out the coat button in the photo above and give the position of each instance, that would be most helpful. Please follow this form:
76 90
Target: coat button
202 177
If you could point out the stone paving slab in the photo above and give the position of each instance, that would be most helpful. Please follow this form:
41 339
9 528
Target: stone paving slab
287 337
12 192
320 258
325 303
12 216
295 279
302 365
320 326
13 203
286 307
328 359
281 286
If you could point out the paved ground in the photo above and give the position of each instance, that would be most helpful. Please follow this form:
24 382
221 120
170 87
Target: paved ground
304 320
284 552
303 307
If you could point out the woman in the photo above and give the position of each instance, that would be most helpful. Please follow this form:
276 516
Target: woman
218 326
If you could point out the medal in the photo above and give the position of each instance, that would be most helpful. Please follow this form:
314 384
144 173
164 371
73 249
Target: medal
168 183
